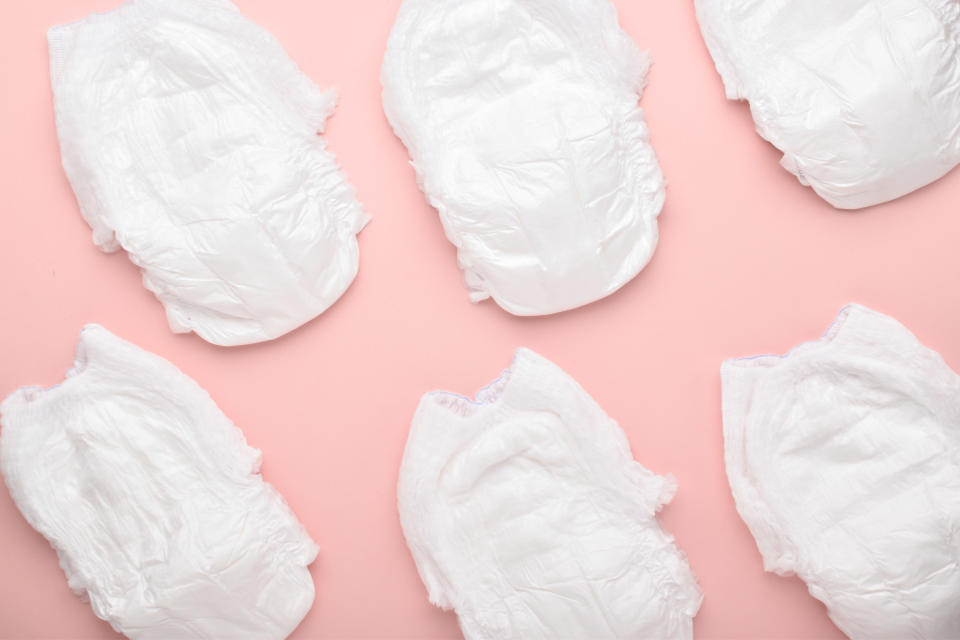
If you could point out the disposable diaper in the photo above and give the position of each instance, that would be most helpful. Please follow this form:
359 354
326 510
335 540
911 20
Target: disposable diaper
861 96
521 118
844 460
526 514
152 499
190 140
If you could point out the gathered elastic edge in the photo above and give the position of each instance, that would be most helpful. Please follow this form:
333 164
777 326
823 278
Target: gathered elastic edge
828 337
488 396
34 396
60 37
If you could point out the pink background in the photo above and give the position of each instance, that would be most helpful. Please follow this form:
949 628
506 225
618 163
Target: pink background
749 262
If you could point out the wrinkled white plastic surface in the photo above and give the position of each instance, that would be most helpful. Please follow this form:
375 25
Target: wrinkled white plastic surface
526 513
861 96
153 501
521 118
190 140
844 459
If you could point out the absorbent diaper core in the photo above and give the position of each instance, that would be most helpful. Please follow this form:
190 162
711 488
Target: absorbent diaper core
522 122
153 501
190 140
526 513
861 96
844 460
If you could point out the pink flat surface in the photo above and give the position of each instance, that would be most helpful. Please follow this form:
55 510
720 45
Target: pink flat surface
749 262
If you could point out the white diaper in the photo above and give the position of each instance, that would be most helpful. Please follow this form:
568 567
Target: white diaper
862 96
526 514
844 459
521 118
190 140
152 499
